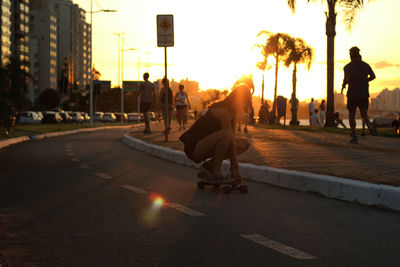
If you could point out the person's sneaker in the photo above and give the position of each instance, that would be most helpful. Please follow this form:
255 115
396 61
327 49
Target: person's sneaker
354 139
371 129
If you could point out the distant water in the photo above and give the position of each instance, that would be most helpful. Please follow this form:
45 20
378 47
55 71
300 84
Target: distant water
345 121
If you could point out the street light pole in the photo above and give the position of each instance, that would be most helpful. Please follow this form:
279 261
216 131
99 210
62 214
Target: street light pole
91 67
91 57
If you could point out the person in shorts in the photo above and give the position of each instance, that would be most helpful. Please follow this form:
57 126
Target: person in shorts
357 75
182 105
147 94
166 108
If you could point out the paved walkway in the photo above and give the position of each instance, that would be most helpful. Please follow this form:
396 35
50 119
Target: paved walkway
374 159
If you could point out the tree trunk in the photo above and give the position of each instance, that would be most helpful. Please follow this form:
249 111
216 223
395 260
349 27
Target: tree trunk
330 33
275 88
262 90
294 120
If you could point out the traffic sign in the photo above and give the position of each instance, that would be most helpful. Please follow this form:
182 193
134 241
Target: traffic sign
165 30
131 86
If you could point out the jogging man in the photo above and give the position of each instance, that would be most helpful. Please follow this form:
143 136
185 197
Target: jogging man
357 75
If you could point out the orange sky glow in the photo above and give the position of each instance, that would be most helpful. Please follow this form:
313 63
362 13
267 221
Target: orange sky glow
214 42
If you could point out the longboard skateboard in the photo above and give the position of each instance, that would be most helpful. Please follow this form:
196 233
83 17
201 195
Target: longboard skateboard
227 185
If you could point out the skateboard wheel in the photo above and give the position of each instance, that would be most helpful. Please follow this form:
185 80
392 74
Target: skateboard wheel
226 189
243 188
200 185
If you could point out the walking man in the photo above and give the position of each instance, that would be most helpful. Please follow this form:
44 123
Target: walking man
357 75
147 94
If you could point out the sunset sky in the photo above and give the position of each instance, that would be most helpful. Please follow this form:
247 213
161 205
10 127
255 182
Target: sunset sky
214 41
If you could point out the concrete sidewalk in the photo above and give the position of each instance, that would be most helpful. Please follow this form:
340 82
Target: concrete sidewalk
374 159
326 163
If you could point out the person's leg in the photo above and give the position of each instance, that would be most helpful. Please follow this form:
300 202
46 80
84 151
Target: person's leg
364 116
179 118
246 117
146 121
214 146
363 128
352 121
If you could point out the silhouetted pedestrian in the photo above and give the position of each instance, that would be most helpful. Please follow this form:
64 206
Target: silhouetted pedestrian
357 75
147 95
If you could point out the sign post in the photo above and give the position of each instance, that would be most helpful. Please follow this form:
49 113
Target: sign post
165 38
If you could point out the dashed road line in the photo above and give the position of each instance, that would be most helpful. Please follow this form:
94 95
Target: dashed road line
184 209
134 189
84 166
102 175
289 251
75 159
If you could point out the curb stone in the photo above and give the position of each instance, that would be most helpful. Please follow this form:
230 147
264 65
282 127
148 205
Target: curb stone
12 141
383 196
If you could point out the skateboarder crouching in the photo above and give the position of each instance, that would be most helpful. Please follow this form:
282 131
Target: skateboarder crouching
212 136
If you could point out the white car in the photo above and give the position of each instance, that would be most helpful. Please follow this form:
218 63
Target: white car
29 117
77 117
109 117
133 117
98 116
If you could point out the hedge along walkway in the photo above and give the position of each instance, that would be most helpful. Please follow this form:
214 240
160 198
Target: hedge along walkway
374 159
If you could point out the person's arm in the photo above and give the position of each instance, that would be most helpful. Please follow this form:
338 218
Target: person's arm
187 100
371 74
345 80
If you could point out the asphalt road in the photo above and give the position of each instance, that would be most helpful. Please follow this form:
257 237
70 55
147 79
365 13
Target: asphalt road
89 200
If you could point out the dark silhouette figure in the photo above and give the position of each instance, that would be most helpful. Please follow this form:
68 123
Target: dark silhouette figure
147 94
357 75
338 120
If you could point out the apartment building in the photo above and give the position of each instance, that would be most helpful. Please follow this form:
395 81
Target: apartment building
5 31
20 32
43 46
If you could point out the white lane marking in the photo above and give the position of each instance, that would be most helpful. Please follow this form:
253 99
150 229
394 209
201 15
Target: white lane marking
70 154
134 189
102 175
289 251
184 209
75 159
84 166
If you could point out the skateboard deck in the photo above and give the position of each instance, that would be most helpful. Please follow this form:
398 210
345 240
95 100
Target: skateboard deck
227 185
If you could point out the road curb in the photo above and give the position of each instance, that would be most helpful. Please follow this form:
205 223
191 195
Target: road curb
383 196
13 141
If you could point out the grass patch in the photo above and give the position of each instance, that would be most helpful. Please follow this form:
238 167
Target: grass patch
35 129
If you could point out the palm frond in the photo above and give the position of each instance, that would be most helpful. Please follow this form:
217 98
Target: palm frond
349 10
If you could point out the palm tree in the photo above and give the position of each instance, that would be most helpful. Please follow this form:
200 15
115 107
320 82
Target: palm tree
276 46
349 9
300 53
263 65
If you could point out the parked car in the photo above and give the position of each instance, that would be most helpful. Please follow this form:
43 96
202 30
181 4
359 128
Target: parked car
85 116
77 117
108 117
40 115
51 117
118 116
29 117
98 116
133 117
66 116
